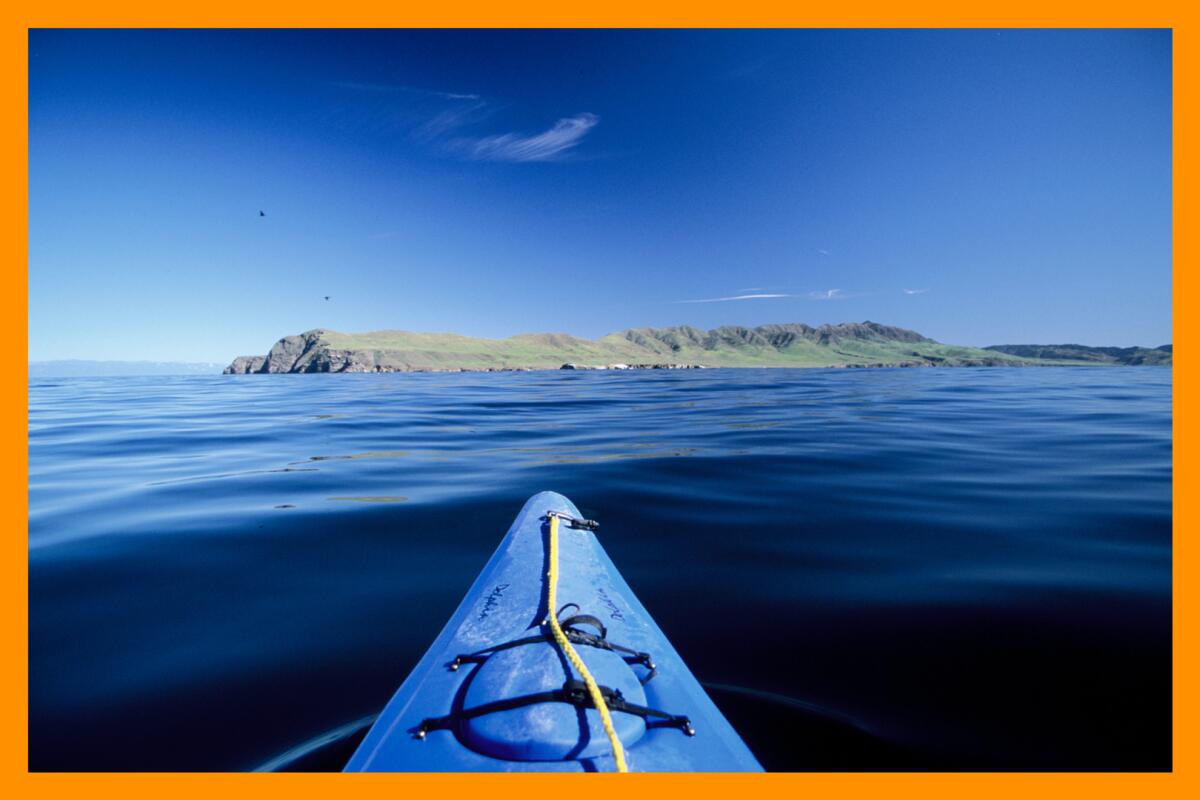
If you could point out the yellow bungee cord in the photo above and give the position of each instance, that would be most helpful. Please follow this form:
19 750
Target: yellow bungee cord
577 662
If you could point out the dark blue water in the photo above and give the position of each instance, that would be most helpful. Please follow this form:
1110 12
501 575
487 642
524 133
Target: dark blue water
872 569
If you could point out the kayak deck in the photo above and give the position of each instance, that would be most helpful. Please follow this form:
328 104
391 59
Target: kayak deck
492 710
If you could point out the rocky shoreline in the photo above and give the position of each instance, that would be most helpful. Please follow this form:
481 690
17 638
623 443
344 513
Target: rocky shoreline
248 365
634 366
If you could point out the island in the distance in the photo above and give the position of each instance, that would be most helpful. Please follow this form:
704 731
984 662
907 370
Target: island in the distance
854 344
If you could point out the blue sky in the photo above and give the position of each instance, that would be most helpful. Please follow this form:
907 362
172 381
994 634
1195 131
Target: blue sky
981 187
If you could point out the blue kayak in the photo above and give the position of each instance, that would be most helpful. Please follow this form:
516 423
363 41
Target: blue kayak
551 664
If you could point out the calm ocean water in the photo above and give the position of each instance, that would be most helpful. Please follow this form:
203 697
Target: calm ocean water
871 569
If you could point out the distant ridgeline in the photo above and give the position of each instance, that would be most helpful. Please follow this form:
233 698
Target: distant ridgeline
1078 353
865 344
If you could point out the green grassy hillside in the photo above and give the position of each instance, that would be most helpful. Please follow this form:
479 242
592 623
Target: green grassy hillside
788 345
1083 354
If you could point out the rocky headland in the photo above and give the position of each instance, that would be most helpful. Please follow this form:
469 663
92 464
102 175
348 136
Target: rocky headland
850 345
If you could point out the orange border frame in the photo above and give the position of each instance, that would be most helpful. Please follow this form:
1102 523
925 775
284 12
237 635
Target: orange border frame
18 782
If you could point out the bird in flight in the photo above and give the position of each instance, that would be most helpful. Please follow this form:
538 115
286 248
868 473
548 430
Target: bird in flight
262 213
326 297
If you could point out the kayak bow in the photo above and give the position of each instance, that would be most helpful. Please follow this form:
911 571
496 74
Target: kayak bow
514 684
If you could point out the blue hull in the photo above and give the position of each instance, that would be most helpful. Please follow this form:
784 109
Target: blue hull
506 604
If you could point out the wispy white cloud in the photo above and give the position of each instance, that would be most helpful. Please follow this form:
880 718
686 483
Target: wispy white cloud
447 112
427 115
445 121
391 88
828 294
914 291
549 145
736 297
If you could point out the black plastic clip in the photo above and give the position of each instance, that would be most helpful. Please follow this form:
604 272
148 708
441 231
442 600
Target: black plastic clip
575 522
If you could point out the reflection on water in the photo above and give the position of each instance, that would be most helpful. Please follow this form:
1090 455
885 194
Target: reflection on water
875 569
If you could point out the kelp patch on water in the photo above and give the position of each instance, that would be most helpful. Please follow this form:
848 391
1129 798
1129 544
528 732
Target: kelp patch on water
352 456
383 498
